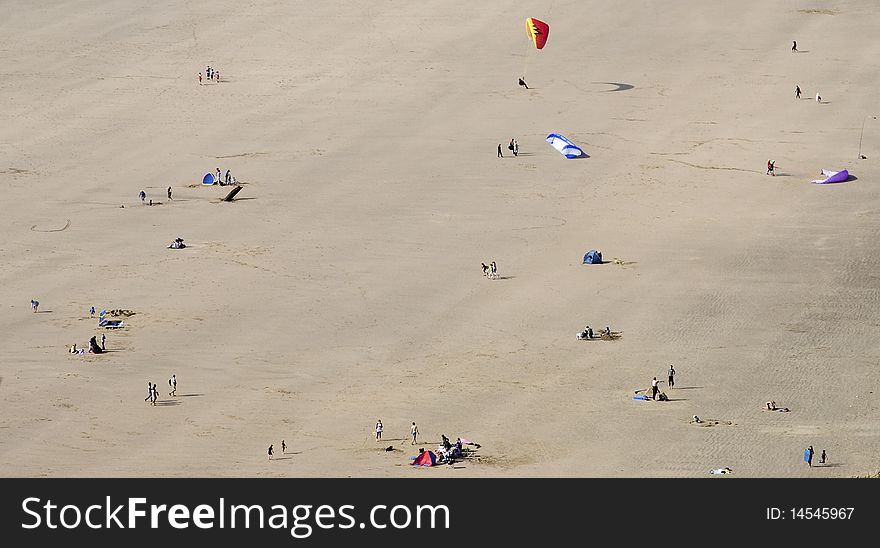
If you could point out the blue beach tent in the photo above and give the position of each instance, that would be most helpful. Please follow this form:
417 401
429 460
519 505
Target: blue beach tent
593 257
209 179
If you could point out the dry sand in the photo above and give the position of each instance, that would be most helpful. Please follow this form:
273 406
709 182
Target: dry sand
344 286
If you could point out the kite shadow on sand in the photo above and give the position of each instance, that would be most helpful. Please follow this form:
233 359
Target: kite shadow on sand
620 86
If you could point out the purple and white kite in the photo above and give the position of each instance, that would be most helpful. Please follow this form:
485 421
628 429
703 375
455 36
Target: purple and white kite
832 177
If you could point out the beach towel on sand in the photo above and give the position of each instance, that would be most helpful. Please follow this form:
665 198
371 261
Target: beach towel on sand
640 397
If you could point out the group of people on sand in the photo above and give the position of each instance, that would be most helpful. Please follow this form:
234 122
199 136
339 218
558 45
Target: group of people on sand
153 390
490 270
588 333
513 147
224 179
213 75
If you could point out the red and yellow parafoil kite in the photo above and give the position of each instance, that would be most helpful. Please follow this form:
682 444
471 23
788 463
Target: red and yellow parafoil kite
537 31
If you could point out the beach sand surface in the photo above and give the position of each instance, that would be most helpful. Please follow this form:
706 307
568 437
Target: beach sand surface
343 285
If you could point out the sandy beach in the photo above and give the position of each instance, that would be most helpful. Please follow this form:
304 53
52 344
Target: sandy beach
343 285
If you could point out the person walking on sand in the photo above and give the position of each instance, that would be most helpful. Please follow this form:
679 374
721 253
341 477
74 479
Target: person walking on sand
283 447
794 45
218 174
671 375
500 154
515 148
493 270
808 456
818 97
200 78
92 312
149 391
379 429
270 452
523 83
228 178
485 269
770 166
822 457
797 92
217 76
654 388
103 341
172 382
142 195
35 304
169 193
414 432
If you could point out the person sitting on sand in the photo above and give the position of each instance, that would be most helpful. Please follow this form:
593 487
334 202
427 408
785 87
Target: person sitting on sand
771 405
607 331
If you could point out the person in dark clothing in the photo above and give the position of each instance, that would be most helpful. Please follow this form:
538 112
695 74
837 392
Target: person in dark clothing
797 92
793 45
809 456
523 83
169 193
500 154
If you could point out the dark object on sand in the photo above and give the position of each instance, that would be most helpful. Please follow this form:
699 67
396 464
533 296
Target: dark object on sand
94 347
390 448
229 197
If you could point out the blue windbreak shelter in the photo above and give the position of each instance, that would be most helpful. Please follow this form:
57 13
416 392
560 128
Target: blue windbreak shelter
209 179
593 257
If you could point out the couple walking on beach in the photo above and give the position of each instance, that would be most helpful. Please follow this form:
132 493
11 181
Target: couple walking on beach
153 389
271 450
413 431
490 271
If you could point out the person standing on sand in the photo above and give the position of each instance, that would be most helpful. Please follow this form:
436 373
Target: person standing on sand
493 270
793 45
172 382
808 456
500 154
797 92
200 78
92 312
149 392
169 193
654 388
379 429
218 175
103 341
142 195
283 447
770 166
671 375
818 97
515 148
822 457
35 304
414 432
270 452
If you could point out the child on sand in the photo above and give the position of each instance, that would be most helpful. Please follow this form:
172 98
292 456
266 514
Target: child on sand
379 429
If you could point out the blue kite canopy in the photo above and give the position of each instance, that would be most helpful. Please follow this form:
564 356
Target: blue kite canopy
593 257
563 145
209 179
